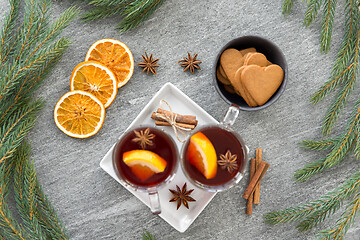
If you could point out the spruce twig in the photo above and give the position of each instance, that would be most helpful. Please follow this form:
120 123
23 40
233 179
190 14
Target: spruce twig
311 214
147 236
319 145
132 12
27 54
344 75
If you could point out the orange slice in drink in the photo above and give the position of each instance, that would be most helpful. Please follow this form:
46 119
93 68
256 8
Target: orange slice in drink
79 114
116 56
144 163
95 78
201 153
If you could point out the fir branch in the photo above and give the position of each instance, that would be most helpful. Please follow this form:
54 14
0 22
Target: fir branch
13 133
7 29
341 65
319 145
137 12
108 3
101 12
315 212
33 79
312 11
327 24
339 103
309 170
338 152
287 6
147 236
25 182
10 228
27 56
133 12
48 217
344 75
344 223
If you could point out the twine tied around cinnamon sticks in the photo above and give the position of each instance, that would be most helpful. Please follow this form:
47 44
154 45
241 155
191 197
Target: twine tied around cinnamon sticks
179 123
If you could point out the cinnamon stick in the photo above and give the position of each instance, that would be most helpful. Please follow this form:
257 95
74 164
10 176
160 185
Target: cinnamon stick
187 119
249 205
163 123
257 189
259 174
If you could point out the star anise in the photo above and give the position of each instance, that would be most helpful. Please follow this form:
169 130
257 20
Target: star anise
190 63
228 161
144 138
149 64
182 196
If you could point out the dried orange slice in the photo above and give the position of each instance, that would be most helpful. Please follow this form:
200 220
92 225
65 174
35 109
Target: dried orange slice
201 153
79 114
144 163
116 56
95 78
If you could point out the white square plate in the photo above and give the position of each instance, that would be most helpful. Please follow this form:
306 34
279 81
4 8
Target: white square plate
180 219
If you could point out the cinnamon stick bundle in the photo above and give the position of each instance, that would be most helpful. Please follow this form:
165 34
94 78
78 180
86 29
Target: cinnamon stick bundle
259 174
185 121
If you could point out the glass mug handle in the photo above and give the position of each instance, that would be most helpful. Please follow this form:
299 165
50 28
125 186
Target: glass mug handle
154 203
230 116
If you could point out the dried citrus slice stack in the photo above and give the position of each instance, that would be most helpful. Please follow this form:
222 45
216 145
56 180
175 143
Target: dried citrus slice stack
79 114
116 56
108 65
143 163
95 78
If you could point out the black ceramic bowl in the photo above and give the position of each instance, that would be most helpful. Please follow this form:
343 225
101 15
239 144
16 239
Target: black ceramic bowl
272 53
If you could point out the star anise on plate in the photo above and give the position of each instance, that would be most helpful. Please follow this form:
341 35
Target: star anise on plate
190 63
143 137
182 196
149 64
228 161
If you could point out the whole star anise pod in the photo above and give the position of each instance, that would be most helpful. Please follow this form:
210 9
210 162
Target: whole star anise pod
182 196
149 64
143 137
190 63
228 161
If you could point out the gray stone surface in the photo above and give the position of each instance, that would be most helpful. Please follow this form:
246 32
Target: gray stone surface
94 206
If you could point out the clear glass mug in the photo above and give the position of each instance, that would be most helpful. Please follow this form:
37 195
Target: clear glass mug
224 139
164 146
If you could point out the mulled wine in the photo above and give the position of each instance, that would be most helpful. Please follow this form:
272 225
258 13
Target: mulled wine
145 157
213 156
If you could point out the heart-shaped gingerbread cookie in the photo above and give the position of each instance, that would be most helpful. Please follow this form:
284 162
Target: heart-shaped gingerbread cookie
256 59
238 87
261 82
247 50
231 60
221 78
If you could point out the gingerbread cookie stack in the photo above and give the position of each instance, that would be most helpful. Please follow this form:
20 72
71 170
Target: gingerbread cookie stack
249 74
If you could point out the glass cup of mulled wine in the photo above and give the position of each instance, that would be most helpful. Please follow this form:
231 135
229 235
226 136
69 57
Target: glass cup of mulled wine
214 157
145 159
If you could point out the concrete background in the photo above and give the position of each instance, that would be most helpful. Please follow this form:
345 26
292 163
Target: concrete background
94 206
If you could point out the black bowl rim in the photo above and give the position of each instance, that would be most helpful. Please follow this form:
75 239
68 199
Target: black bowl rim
279 91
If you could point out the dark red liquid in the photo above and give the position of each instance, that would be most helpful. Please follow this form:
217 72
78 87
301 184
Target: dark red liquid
222 141
162 145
